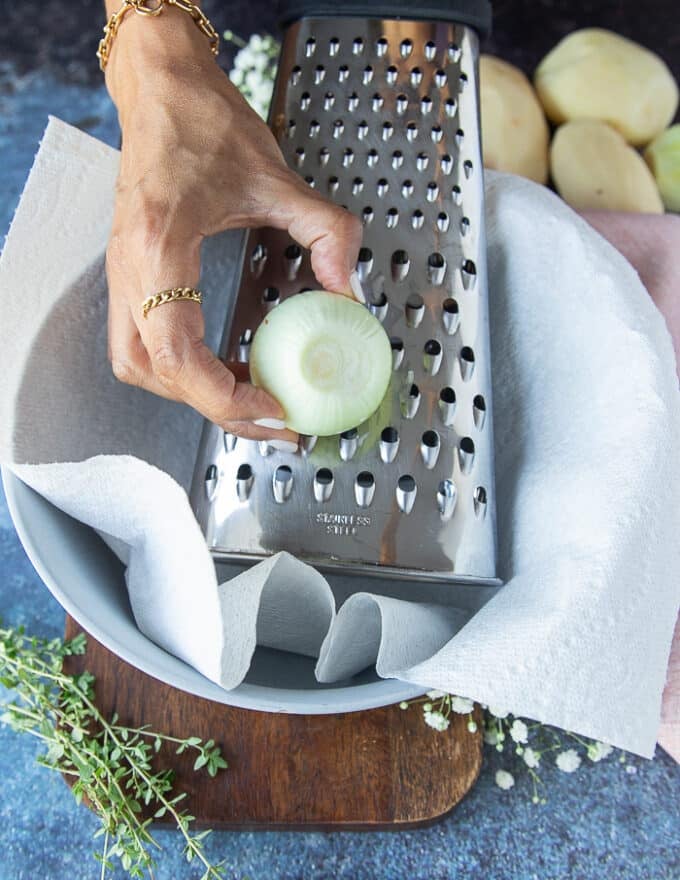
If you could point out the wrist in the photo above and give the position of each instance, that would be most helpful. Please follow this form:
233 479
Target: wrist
149 48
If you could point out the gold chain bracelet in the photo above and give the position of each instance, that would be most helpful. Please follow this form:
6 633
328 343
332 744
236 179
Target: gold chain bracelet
153 8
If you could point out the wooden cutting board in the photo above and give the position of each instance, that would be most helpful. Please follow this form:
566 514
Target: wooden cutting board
370 770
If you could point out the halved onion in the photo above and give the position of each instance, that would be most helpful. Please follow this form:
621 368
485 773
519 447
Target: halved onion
325 358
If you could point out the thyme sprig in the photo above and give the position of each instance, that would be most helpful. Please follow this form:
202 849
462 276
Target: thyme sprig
110 765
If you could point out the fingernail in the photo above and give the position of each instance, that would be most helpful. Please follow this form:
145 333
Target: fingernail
275 424
283 445
355 284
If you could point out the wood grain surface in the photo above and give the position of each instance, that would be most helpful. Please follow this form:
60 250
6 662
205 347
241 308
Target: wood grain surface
377 769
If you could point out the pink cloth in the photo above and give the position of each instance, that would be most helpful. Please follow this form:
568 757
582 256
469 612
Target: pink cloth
652 244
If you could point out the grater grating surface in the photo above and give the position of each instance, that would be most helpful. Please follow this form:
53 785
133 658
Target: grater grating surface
381 116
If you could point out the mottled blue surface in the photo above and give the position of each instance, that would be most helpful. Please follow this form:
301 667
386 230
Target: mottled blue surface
602 822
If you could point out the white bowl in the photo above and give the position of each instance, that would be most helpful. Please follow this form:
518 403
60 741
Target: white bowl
87 579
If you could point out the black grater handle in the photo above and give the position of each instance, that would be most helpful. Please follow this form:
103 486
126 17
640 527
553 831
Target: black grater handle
473 13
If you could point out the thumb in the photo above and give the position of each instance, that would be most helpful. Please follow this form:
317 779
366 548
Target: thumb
332 234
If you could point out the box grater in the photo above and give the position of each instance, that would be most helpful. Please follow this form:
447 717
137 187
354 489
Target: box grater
381 115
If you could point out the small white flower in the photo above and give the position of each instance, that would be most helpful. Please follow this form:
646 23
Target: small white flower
530 757
599 750
461 705
472 726
261 62
498 713
631 769
256 42
519 731
504 779
236 76
253 79
403 704
244 58
436 720
568 761
436 695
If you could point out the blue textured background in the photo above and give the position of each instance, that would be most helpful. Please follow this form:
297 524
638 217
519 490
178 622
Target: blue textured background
607 820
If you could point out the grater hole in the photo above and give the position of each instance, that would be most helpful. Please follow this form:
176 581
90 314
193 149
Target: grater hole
282 483
480 495
432 191
324 476
469 274
353 102
244 472
467 167
479 402
436 268
429 50
271 296
432 347
350 434
378 306
406 483
440 78
446 163
230 441
436 133
319 74
362 129
447 395
460 136
456 194
328 100
314 128
381 45
407 189
295 74
299 156
365 479
410 402
347 157
416 76
367 215
400 265
305 100
411 131
372 158
464 225
357 45
432 356
348 444
338 128
397 159
310 180
442 221
324 155
364 263
333 184
467 362
382 186
293 252
310 47
343 73
305 289
430 439
447 405
479 502
401 103
406 47
467 354
377 102
389 435
415 309
333 46
453 51
463 80
479 411
367 74
283 474
417 219
450 315
397 346
426 104
450 107
357 186
392 218
422 161
387 130
391 75
258 259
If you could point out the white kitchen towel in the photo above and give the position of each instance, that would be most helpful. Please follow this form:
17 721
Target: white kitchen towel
587 425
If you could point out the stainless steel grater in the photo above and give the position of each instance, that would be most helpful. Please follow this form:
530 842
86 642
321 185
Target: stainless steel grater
382 116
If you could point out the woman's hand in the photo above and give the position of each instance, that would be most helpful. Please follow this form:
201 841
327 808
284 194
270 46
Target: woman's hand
196 160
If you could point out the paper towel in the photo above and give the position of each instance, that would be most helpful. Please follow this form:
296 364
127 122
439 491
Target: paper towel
587 423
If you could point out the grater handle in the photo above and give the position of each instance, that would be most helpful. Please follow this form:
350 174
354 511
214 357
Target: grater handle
473 13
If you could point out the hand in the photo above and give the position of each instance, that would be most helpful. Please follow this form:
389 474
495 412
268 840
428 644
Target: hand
197 160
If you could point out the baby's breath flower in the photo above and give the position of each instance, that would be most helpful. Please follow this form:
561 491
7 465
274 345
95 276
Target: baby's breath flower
436 695
436 720
472 726
427 707
498 713
599 750
504 779
519 731
490 736
403 704
461 705
568 761
530 757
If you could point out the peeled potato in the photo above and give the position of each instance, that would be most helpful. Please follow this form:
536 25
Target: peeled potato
514 128
597 74
663 157
595 169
